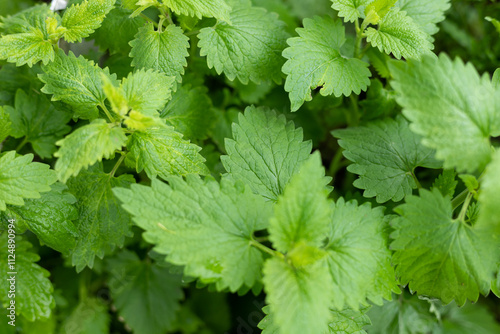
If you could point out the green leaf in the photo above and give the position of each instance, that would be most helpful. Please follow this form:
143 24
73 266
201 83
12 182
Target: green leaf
77 82
489 196
199 8
83 18
299 298
358 255
89 317
470 182
303 212
163 152
203 226
377 10
455 261
495 80
446 182
398 34
20 178
50 218
33 290
146 295
266 151
426 13
87 145
102 223
249 48
190 112
164 51
471 318
26 48
5 125
385 154
25 21
454 94
35 118
315 60
350 10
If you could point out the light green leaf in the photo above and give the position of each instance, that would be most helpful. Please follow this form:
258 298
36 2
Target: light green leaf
20 178
146 295
266 151
385 154
35 118
83 18
203 226
495 80
426 13
163 152
26 48
299 299
199 8
89 317
489 196
164 51
315 60
77 82
5 125
303 212
102 223
447 250
249 48
26 20
33 289
398 34
451 106
350 10
377 10
446 182
358 255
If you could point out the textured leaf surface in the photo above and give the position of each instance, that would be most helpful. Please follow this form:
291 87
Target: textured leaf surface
426 13
35 118
5 124
350 10
87 145
26 48
489 196
249 48
199 8
398 34
83 18
146 295
164 51
385 154
33 289
77 82
20 178
266 151
204 226
459 109
102 223
314 60
439 256
89 317
358 255
163 152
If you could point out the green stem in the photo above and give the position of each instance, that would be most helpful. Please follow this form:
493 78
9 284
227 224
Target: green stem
261 239
83 283
21 144
106 111
191 33
144 16
355 111
359 37
118 163
265 249
459 199
416 180
461 216
336 165
166 12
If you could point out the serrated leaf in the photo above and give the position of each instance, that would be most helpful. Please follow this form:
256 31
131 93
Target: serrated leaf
489 196
146 295
315 60
26 48
163 152
249 48
5 125
203 226
358 256
377 10
50 218
164 51
137 121
302 213
350 10
86 146
426 13
298 299
36 119
266 151
102 223
76 82
398 34
83 18
20 178
385 154
447 250
89 317
26 20
459 109
33 289
446 182
495 79
190 112
218 9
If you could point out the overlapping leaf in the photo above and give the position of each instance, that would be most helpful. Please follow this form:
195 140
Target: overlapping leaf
350 10
199 8
83 18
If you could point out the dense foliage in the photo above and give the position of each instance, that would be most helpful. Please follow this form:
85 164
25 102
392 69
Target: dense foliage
237 166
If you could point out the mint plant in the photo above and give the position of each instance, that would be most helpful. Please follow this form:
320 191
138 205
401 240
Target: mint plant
237 166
